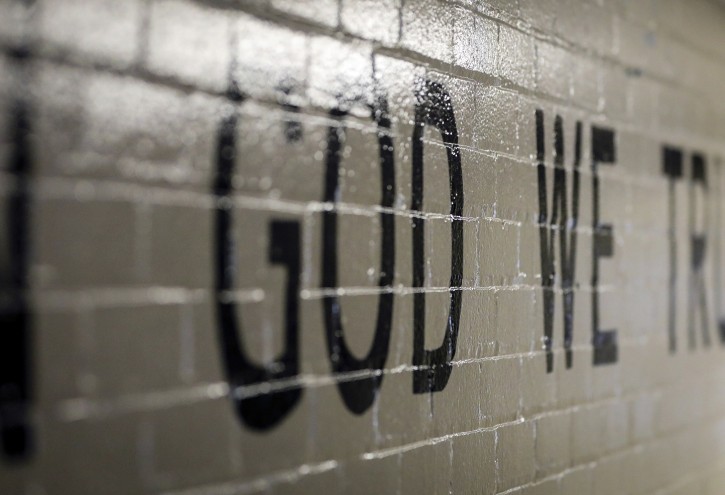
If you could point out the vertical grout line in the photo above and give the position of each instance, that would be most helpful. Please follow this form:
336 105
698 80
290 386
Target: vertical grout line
143 224
400 21
339 15
142 48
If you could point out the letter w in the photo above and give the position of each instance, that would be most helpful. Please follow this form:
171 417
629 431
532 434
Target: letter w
559 222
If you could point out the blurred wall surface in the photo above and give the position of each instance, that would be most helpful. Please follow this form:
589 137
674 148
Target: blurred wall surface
362 246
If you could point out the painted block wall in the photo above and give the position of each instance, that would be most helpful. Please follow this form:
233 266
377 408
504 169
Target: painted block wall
362 246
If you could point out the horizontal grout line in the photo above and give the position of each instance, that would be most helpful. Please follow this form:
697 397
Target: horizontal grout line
76 409
397 52
262 483
83 190
50 299
292 475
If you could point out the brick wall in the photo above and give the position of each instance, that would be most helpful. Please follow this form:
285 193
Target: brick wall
278 246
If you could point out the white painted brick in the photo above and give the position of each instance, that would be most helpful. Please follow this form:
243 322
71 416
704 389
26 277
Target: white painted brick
553 444
508 318
607 476
362 264
479 184
104 31
493 120
189 43
372 19
574 384
474 465
516 57
553 71
436 188
138 335
59 107
475 42
438 255
514 201
538 388
596 36
173 446
540 14
99 253
586 83
363 476
479 319
428 29
79 450
170 249
119 127
330 481
269 58
494 7
403 260
598 430
200 342
427 468
500 398
256 456
60 346
126 104
642 48
164 147
271 170
614 102
324 12
340 71
541 488
515 455
577 481
714 483
457 411
327 408
14 22
403 417
470 257
695 21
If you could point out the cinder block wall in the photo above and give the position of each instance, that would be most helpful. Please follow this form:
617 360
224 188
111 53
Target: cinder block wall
362 246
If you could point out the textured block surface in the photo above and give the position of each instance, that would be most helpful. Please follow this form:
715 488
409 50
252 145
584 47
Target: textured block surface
362 246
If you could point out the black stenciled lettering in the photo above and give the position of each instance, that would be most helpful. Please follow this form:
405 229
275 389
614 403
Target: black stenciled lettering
15 317
717 234
603 152
697 301
565 225
672 168
359 393
293 125
698 224
434 107
265 410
